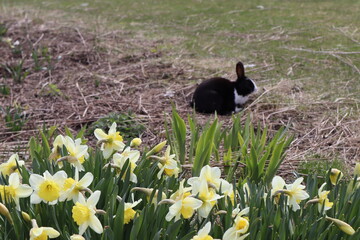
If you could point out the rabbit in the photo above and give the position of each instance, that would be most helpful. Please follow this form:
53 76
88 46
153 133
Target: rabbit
222 95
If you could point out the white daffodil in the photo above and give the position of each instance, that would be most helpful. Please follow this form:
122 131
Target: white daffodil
42 233
210 174
323 201
76 237
207 195
110 142
228 190
240 227
57 146
47 188
77 152
296 193
278 185
181 191
120 159
168 165
185 206
15 190
72 187
84 211
129 212
203 234
10 166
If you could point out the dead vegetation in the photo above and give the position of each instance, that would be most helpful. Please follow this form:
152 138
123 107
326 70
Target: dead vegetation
84 76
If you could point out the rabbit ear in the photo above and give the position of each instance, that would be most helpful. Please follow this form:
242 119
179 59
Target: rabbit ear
240 71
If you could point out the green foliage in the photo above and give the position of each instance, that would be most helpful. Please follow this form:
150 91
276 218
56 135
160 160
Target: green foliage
3 29
15 118
4 89
127 125
41 58
317 165
17 72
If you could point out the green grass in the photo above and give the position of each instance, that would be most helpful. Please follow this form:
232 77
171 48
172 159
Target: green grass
241 30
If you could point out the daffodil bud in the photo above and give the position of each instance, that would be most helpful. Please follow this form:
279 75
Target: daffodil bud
135 142
26 216
334 175
5 212
346 228
357 170
76 237
156 149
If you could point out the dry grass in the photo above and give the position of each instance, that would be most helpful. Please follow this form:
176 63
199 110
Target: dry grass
113 72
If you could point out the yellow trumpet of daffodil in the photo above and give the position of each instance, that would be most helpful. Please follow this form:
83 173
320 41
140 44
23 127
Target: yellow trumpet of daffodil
129 212
110 142
239 228
15 190
84 211
11 165
167 164
47 188
42 233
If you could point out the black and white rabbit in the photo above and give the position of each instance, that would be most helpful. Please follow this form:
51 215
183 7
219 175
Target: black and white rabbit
222 95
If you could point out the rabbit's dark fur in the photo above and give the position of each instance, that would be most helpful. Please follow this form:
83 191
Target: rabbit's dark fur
222 95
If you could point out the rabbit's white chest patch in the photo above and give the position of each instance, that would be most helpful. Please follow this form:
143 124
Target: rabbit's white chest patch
239 99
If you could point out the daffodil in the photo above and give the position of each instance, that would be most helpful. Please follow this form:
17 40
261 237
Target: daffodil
72 187
15 190
278 185
148 192
129 212
11 165
167 164
77 152
323 199
56 150
110 142
76 237
184 206
42 233
240 227
203 233
181 191
296 193
84 211
5 212
47 188
228 190
207 195
156 149
335 175
210 174
120 159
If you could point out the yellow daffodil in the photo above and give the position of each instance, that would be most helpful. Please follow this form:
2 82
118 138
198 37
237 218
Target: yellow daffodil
120 159
72 187
168 165
15 190
278 185
84 211
203 233
240 227
110 142
207 195
129 212
210 174
57 146
76 237
10 166
335 175
77 152
42 233
181 191
323 199
296 193
343 226
135 142
47 188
